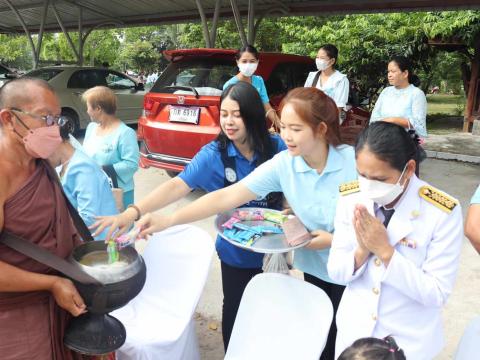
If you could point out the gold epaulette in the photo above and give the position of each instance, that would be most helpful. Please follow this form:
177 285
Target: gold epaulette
438 198
349 188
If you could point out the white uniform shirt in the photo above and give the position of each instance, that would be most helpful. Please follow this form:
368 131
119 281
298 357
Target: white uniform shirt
337 87
404 300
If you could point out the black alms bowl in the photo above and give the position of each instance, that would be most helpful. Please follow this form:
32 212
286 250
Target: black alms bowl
96 332
120 284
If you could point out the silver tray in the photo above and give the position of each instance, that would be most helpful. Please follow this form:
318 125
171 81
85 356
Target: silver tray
266 244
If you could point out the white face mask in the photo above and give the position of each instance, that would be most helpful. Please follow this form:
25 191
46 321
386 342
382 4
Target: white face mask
321 64
381 192
247 69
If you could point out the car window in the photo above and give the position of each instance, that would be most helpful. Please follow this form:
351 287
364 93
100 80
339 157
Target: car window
300 73
116 81
202 74
85 79
44 74
278 81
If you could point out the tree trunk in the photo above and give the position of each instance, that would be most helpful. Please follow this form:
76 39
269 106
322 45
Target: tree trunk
472 88
465 76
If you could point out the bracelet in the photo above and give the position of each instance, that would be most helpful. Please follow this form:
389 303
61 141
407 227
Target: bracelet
268 112
137 209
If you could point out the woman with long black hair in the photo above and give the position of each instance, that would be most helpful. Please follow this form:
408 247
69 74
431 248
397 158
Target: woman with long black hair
243 143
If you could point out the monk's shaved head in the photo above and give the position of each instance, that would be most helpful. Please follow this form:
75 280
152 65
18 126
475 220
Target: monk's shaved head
18 92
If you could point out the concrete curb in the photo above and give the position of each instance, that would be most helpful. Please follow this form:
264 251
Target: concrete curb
451 156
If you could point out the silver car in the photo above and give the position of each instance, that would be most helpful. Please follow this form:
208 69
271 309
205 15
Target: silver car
70 82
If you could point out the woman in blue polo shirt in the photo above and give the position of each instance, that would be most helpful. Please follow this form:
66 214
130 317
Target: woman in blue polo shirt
247 62
242 145
309 175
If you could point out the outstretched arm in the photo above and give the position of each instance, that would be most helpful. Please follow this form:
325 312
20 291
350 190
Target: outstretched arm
165 194
208 205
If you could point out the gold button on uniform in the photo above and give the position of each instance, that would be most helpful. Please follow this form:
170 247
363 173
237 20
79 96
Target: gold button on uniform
376 291
377 262
374 317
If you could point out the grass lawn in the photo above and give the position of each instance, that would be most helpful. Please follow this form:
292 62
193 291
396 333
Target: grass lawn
452 105
445 113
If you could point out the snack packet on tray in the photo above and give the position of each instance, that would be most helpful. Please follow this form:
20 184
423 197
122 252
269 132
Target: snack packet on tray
274 217
248 215
242 234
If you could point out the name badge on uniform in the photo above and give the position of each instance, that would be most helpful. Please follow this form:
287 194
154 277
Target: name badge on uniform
230 175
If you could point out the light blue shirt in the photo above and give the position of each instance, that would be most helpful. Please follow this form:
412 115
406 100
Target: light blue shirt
409 103
312 196
120 149
337 87
88 189
476 197
257 83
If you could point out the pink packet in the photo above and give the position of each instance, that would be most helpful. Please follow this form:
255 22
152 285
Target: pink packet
128 238
229 223
295 232
248 215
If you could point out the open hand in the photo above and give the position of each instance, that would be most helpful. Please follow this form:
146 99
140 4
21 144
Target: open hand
117 224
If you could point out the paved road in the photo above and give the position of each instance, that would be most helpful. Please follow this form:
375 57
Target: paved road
458 179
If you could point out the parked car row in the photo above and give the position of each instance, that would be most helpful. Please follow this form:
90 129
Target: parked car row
180 113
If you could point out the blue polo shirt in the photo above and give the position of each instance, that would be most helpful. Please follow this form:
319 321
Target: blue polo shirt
257 83
476 197
312 196
206 172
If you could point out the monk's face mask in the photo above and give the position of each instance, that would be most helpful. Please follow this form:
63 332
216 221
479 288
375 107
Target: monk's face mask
40 142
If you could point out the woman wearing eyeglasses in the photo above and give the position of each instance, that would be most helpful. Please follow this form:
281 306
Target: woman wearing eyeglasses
111 143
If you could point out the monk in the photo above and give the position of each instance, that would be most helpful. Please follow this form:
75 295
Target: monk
35 301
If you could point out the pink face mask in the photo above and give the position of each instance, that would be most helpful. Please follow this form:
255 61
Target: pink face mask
43 141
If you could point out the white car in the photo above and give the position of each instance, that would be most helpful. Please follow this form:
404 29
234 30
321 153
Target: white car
70 82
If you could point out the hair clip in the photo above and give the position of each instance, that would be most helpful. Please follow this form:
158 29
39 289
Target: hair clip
414 136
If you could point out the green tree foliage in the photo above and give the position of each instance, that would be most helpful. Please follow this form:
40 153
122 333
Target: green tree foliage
463 25
365 42
140 55
15 51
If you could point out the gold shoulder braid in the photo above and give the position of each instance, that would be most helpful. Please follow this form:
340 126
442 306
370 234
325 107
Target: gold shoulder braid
349 188
438 198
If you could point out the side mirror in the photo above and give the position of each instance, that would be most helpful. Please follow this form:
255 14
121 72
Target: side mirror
11 76
139 87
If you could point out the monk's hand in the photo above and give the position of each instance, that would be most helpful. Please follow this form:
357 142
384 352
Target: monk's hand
67 296
117 225
152 223
372 234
